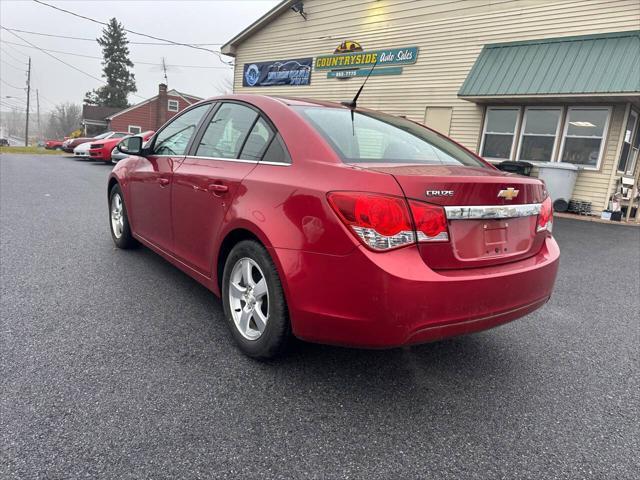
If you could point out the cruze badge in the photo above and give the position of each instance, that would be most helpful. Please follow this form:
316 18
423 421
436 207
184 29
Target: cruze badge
439 193
508 194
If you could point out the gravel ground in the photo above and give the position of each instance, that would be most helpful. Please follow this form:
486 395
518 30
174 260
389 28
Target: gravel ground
114 364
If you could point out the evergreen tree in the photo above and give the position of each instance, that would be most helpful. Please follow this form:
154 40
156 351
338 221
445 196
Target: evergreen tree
115 67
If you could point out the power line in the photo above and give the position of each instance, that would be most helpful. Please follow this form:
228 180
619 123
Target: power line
101 58
61 61
12 86
7 104
136 33
54 57
10 56
16 99
13 48
86 39
22 69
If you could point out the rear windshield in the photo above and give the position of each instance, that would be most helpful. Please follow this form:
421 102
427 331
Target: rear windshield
376 137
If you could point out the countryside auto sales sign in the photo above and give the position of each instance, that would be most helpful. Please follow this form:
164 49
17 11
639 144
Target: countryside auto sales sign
344 65
278 72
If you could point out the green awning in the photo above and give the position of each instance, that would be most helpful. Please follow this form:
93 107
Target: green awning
603 64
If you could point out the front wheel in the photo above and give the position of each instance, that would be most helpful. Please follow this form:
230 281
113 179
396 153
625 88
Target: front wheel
119 221
254 302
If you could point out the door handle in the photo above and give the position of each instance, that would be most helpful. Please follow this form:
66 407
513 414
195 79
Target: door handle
163 182
218 188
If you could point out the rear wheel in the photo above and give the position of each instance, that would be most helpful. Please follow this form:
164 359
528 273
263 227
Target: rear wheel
254 302
118 220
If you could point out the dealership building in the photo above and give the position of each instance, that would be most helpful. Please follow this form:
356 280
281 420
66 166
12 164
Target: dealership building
521 80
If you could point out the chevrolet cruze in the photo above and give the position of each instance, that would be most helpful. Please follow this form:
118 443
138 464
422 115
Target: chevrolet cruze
334 224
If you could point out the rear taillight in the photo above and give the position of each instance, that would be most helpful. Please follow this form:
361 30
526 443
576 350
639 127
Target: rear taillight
383 222
430 221
545 217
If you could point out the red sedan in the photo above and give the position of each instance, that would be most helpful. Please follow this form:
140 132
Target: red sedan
334 224
53 144
102 149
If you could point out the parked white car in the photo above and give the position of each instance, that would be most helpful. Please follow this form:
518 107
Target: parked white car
82 150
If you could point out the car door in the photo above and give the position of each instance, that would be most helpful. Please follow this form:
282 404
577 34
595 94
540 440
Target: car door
150 179
208 181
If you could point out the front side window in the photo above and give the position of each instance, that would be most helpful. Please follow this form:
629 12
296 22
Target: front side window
499 132
118 135
584 135
225 135
174 138
376 137
539 133
173 105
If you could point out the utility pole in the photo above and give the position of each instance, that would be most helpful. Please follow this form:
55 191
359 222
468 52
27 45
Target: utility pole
26 127
38 110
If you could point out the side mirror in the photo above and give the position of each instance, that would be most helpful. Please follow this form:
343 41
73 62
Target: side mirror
131 146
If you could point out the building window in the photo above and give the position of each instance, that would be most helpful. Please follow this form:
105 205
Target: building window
583 139
499 133
173 105
630 145
539 133
134 129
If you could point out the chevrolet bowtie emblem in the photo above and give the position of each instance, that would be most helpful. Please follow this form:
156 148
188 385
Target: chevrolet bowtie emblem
508 194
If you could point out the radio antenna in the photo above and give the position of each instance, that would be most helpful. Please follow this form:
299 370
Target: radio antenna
353 103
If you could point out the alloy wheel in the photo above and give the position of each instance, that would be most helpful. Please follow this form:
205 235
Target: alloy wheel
117 215
249 298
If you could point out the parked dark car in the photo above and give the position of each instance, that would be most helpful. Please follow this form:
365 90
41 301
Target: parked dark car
4 142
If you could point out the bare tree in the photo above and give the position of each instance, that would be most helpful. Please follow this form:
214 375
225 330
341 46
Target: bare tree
15 122
224 85
64 119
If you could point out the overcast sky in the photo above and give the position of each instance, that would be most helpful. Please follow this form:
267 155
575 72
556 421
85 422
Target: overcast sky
181 21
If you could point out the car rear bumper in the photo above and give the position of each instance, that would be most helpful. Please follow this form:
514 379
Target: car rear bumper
391 299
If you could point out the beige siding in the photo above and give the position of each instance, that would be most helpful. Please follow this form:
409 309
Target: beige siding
450 35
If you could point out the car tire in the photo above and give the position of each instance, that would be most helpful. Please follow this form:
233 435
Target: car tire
274 337
119 220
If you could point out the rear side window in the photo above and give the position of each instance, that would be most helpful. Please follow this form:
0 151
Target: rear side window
277 152
376 137
225 134
257 141
174 138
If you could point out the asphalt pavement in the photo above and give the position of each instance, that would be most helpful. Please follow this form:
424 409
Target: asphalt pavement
114 364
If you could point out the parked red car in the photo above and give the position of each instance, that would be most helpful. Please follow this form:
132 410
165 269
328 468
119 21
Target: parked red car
103 148
71 143
335 225
53 144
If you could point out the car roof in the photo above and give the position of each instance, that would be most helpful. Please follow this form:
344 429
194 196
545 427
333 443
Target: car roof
289 101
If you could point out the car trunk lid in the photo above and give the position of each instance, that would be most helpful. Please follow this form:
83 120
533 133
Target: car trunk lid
491 215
